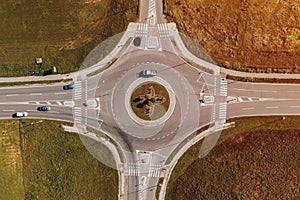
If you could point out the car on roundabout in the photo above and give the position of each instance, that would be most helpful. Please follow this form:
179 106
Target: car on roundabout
148 73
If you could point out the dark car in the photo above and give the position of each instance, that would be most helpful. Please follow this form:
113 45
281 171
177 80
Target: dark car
68 87
44 108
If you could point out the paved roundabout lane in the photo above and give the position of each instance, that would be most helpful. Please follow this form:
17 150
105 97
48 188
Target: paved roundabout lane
117 84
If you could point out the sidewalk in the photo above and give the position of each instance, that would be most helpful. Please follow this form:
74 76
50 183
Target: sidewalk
259 75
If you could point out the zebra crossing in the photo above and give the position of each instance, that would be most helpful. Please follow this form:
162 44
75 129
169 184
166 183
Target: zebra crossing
154 170
222 110
134 169
163 30
142 30
77 115
77 90
223 87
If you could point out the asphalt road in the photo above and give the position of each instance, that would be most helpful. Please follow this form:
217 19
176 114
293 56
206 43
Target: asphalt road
108 94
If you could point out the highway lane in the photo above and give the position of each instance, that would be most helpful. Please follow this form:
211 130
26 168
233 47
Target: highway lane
35 93
159 12
263 90
264 108
144 5
56 113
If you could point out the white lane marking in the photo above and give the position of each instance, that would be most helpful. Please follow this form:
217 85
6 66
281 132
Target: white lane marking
8 110
54 112
240 99
295 106
12 95
250 99
37 102
60 93
254 90
48 102
271 107
250 108
293 91
14 103
30 110
59 103
35 94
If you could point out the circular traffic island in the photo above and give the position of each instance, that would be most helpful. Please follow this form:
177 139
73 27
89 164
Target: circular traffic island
150 101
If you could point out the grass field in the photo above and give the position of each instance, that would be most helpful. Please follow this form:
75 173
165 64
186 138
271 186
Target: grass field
256 159
11 179
61 32
52 164
255 36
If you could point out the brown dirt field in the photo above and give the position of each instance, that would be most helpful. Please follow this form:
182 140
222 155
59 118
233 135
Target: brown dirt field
243 168
255 33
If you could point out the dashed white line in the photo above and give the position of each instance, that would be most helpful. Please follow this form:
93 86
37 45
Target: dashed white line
8 110
294 106
272 107
32 94
255 90
250 108
12 95
60 93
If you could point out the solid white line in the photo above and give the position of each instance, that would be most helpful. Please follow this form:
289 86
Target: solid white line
254 90
8 110
60 93
12 95
35 94
250 108
272 107
53 111
293 91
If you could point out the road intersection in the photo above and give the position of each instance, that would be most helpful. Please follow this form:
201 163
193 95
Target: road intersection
101 101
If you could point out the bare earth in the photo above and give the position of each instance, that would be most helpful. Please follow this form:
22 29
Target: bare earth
253 33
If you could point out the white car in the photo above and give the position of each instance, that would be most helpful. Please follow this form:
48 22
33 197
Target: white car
20 114
149 73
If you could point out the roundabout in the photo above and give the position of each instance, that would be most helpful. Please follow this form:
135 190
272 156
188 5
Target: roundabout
180 109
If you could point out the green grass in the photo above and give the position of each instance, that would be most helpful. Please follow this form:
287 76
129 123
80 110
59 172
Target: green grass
58 166
51 164
11 179
5 84
61 32
269 143
159 110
